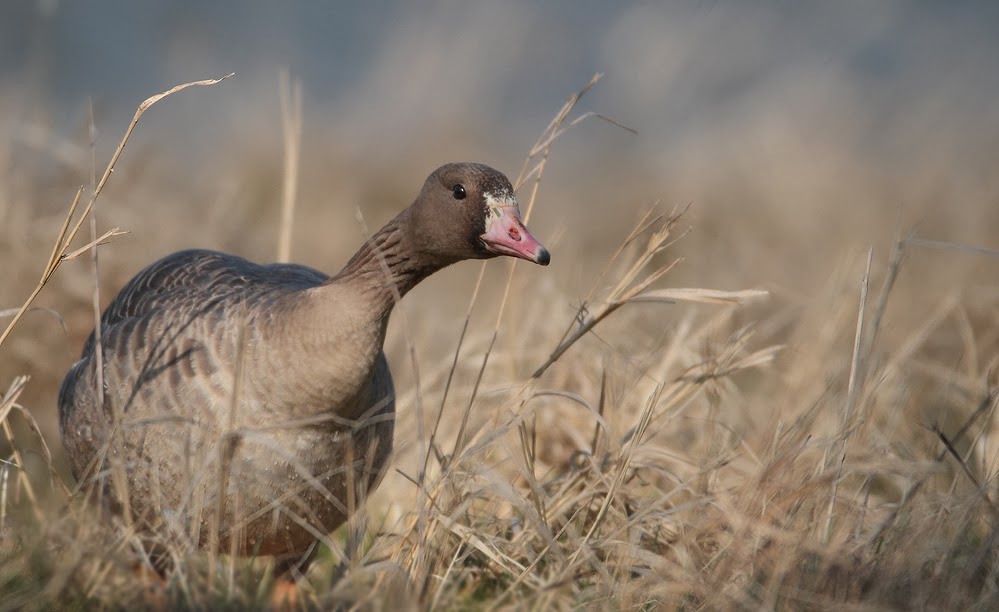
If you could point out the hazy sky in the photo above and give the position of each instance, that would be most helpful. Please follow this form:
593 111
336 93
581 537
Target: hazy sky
782 98
667 64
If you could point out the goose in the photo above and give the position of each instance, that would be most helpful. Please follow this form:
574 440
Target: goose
249 405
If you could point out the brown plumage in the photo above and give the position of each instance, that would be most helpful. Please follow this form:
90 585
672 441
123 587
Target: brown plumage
253 396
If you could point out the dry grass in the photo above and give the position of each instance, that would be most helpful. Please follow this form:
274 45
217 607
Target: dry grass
829 451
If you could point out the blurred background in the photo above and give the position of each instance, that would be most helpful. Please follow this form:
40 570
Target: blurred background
800 135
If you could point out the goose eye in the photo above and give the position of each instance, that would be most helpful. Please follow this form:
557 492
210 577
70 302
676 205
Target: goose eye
458 191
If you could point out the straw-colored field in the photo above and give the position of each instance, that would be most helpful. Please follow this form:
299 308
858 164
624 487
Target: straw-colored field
761 372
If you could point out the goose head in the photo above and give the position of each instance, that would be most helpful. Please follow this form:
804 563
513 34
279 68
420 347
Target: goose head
469 211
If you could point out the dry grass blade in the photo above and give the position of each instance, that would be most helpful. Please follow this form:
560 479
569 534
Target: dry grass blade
542 149
757 358
55 258
291 128
857 358
551 133
11 395
63 241
59 246
703 296
10 312
103 239
95 295
501 560
629 288
7 404
894 266
622 470
625 288
966 470
148 102
944 245
856 379
452 370
46 454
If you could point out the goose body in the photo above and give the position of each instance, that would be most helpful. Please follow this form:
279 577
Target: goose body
255 406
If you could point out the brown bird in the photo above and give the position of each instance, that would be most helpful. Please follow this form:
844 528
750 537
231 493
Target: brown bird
255 401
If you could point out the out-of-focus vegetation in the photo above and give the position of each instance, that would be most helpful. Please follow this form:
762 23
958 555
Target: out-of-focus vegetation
830 445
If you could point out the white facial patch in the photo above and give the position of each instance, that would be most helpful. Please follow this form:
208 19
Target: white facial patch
495 203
